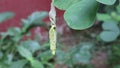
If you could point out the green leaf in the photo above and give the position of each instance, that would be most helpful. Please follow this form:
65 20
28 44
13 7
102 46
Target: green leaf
12 32
107 2
116 50
81 16
118 8
9 58
114 55
36 64
1 54
82 54
78 54
37 16
111 26
111 31
64 4
115 16
103 17
25 52
5 16
32 46
46 56
35 19
116 66
61 57
3 65
108 36
18 64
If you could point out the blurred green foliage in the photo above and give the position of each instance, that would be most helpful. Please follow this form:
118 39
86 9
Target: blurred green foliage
18 53
5 16
77 14
15 52
111 33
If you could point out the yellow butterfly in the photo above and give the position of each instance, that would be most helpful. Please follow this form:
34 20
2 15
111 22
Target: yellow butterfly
52 38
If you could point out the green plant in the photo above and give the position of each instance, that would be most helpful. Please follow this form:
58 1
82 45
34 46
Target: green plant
15 52
111 33
111 30
20 53
114 56
77 56
80 14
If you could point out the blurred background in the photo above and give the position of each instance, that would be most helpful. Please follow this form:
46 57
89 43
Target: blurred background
24 42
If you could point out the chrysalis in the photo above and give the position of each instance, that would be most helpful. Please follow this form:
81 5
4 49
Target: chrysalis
52 31
52 38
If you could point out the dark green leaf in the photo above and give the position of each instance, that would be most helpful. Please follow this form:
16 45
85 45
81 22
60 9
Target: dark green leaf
107 2
61 56
81 16
78 54
82 54
64 4
1 54
18 64
3 65
46 56
117 66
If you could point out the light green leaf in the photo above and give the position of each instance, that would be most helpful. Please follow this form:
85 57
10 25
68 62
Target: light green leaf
11 32
18 64
81 16
107 2
5 16
118 8
31 45
36 64
35 19
108 36
103 17
115 16
111 26
64 4
111 31
37 16
9 58
25 52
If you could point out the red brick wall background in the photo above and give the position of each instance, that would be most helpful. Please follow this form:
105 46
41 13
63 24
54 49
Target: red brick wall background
23 8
